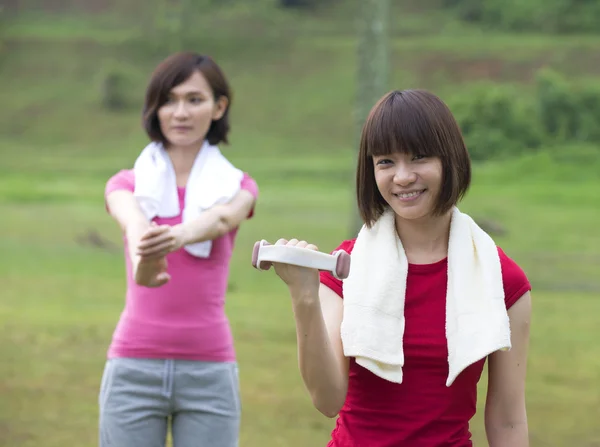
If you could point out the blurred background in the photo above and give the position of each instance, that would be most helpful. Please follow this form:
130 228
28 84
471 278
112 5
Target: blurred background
521 77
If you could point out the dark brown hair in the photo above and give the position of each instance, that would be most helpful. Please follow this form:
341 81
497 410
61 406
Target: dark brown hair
171 72
414 122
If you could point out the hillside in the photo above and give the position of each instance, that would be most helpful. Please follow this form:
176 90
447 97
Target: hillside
294 79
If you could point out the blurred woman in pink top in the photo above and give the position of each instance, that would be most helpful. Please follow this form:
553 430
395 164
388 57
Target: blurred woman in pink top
172 360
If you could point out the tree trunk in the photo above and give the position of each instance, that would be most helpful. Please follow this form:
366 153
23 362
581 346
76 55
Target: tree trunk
373 69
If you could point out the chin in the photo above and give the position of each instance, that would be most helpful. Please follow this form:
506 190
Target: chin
411 213
179 141
411 216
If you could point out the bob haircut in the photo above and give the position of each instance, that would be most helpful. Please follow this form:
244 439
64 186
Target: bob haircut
414 122
171 72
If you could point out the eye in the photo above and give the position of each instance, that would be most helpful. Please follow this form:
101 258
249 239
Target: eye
419 157
383 161
196 100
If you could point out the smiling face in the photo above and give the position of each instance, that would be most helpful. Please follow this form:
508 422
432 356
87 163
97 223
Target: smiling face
410 184
412 158
186 116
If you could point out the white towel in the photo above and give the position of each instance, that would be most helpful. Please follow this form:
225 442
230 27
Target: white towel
212 180
373 323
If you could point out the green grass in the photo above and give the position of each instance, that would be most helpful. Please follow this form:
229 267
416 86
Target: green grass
294 132
61 299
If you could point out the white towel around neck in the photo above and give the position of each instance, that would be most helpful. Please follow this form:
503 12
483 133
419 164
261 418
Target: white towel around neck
212 180
373 322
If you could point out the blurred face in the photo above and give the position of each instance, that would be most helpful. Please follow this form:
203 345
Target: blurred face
409 183
186 116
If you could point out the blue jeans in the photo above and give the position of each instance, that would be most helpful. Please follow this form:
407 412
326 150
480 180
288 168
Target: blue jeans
138 398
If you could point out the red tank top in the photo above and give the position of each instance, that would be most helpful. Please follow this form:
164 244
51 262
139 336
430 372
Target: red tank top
421 411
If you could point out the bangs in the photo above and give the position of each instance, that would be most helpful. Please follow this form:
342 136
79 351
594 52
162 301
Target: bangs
170 73
414 122
404 122
176 74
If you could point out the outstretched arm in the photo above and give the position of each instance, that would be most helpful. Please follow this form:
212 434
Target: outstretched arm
505 410
219 220
318 314
211 224
123 207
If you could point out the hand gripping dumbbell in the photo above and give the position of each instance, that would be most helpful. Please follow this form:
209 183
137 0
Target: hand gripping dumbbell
264 254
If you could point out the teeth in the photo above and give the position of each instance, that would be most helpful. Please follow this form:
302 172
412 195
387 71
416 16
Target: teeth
408 195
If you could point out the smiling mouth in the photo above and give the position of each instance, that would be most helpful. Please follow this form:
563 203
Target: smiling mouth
409 195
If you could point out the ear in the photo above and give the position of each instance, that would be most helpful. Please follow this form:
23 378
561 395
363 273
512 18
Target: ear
220 108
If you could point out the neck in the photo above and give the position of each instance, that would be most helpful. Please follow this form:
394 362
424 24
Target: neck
425 240
183 157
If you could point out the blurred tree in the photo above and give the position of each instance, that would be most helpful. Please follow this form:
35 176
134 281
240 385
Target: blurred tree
373 67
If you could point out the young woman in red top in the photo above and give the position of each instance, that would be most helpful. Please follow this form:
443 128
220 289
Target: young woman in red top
412 160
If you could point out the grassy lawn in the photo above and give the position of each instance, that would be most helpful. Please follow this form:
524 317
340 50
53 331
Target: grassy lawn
62 264
63 293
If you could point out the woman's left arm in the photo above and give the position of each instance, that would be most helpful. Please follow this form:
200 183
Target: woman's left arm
505 409
217 221
211 224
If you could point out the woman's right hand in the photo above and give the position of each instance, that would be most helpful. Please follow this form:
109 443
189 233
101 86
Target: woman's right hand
302 281
148 271
151 272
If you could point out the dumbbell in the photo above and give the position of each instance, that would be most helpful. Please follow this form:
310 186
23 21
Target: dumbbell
264 254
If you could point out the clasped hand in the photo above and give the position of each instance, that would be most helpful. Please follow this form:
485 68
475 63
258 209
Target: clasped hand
159 241
154 245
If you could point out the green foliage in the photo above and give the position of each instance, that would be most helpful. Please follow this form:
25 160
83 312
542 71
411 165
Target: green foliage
118 86
568 112
496 120
294 76
500 120
557 108
551 16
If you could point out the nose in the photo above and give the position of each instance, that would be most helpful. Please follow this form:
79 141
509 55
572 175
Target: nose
404 175
181 111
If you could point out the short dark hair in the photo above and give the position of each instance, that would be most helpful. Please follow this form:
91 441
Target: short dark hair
171 72
415 122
